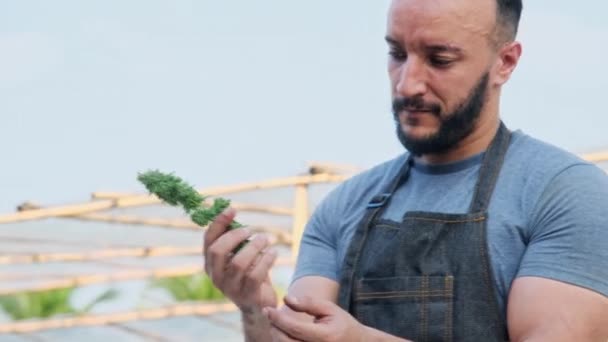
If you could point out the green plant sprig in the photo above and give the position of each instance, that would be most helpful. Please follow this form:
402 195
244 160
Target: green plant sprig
176 192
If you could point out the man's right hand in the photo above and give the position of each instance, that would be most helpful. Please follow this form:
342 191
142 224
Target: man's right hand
243 278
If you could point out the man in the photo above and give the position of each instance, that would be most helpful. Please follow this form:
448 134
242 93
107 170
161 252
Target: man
476 234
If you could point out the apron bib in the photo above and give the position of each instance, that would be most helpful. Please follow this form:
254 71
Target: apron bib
429 277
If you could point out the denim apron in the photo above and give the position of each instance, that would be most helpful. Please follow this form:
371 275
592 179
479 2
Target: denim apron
429 277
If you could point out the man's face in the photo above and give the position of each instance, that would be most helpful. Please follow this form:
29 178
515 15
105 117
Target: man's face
439 67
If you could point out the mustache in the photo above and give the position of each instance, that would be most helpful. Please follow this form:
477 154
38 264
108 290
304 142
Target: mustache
414 104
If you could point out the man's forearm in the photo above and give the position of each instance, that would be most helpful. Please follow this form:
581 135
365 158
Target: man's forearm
255 326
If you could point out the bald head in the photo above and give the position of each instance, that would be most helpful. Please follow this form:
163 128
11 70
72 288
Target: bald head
497 20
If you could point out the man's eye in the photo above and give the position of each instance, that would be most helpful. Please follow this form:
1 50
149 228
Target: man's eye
440 61
397 55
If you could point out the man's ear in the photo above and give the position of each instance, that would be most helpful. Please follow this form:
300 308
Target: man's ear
508 57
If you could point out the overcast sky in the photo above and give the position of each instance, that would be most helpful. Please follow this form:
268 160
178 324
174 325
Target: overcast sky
91 92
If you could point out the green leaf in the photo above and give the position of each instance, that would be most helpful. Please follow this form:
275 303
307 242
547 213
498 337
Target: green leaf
202 217
107 295
43 304
190 288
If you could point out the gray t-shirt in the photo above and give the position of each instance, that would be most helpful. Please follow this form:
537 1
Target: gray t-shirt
548 216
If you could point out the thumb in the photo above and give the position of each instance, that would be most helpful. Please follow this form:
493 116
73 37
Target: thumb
311 306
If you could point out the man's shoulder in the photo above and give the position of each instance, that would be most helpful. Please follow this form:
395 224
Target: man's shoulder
538 158
534 167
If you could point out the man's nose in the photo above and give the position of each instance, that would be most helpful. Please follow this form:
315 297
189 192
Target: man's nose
412 80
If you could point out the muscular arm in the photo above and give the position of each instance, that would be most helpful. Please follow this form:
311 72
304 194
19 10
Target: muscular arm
547 310
315 287
561 291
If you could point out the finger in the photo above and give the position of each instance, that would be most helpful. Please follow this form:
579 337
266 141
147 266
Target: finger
311 306
246 258
280 336
259 272
291 326
220 252
218 227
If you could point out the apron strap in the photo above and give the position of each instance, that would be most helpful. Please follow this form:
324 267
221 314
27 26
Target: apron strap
381 200
489 170
375 208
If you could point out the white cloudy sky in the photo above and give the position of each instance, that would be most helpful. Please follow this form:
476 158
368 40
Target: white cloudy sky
229 91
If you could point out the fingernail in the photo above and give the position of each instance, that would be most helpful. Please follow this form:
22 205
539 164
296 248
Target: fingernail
291 299
266 312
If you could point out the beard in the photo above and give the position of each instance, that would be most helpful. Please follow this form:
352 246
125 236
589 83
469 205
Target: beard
453 127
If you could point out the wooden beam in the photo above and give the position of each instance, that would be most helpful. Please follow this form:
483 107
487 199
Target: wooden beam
84 280
282 235
117 318
596 157
59 211
141 200
331 168
101 254
300 217
245 207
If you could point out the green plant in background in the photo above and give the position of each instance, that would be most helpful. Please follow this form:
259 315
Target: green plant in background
45 304
38 304
196 287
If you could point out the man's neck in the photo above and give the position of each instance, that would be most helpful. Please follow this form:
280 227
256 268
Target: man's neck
476 142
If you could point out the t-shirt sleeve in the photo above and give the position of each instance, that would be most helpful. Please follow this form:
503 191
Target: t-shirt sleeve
569 238
318 254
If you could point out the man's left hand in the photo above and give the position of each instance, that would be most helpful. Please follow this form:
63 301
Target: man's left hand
331 323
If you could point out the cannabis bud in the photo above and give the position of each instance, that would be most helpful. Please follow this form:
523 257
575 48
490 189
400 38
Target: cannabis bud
176 192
